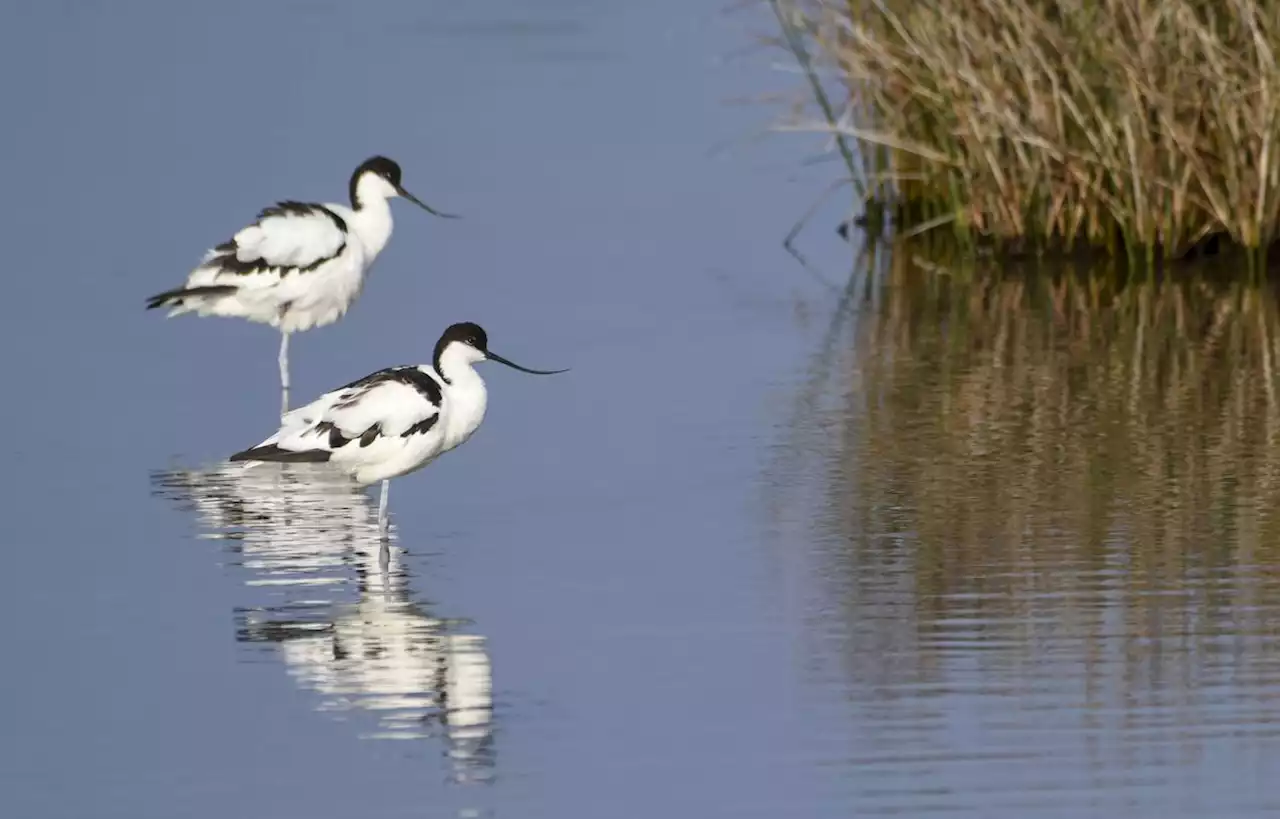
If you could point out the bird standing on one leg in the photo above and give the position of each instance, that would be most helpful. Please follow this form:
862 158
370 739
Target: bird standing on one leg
394 421
300 264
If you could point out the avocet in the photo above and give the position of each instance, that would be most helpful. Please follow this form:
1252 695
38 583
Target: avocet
394 421
300 264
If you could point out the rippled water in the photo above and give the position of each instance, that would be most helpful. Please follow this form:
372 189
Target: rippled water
1044 530
922 540
337 607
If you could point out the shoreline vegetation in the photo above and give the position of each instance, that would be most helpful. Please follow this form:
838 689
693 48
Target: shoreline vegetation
1143 131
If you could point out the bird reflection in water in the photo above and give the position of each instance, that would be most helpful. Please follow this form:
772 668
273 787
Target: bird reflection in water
309 539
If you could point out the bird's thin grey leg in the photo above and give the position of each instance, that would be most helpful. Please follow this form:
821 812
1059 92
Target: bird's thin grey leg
382 507
384 563
284 373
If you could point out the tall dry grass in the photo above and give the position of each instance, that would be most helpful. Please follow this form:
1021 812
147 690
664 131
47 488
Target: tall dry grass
1138 126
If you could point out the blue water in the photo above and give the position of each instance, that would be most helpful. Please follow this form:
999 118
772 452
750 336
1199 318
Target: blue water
615 600
621 217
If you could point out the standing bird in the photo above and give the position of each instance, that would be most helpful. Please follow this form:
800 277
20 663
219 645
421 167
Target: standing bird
394 421
300 264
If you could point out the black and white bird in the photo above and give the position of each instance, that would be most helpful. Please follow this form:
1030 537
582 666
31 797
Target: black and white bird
300 264
394 421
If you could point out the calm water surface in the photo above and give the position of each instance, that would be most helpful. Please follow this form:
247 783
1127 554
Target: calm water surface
785 542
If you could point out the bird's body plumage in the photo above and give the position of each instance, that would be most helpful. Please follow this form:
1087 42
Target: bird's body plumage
299 265
385 425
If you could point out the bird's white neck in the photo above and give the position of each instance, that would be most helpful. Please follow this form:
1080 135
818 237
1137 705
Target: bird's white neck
372 224
371 212
466 394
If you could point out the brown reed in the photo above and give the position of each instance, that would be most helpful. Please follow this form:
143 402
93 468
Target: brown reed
1137 127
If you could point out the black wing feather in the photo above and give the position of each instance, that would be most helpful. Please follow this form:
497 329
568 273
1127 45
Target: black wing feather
175 296
226 255
271 452
405 374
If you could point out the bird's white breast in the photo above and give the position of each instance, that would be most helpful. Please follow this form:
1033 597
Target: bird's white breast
371 225
466 400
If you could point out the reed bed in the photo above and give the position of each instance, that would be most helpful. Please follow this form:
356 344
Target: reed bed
1140 128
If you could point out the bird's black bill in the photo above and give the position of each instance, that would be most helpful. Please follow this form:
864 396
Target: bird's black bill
415 200
514 366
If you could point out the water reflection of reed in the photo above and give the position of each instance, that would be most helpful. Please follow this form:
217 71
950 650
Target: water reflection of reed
1045 529
1011 408
1073 472
309 540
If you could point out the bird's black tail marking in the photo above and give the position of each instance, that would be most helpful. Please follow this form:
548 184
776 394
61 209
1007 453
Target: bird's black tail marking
271 452
175 296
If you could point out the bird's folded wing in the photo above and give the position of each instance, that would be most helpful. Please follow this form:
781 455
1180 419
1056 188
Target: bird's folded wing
288 236
385 404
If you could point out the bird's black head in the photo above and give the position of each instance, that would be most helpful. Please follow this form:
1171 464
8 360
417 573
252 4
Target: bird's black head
467 332
473 335
389 170
378 166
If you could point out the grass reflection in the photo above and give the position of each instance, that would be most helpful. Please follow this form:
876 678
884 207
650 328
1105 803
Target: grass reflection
1025 457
